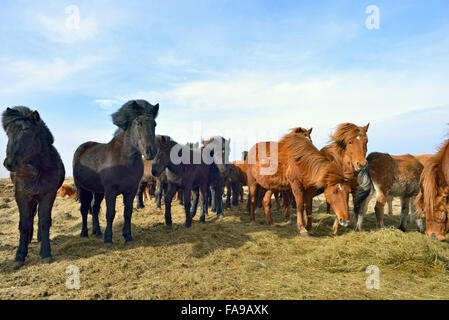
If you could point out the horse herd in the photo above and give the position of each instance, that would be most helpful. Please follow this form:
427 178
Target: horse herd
136 159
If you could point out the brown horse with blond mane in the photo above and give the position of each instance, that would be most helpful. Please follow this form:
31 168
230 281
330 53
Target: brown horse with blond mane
295 164
348 146
433 199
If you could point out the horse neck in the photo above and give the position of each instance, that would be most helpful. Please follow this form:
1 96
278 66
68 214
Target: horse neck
123 146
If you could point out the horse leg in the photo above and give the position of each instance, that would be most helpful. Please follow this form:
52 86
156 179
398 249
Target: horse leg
328 207
181 197
45 207
308 201
203 199
140 192
158 194
219 199
362 212
228 196
96 230
195 193
169 195
379 208
86 201
278 201
235 193
252 200
187 196
128 199
405 208
298 193
26 205
414 218
267 206
111 199
213 205
287 199
390 205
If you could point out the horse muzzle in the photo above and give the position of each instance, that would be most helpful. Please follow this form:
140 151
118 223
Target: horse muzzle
439 237
9 165
344 223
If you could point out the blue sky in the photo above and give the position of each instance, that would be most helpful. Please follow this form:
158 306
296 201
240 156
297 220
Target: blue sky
249 70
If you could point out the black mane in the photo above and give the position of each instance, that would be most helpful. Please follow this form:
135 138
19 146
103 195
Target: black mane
14 117
131 110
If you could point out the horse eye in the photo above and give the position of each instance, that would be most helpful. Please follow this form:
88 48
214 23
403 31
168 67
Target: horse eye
350 142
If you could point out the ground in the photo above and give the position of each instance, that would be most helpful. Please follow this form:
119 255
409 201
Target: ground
228 259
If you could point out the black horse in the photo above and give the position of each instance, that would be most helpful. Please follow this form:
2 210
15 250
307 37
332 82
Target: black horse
108 170
37 173
185 174
219 170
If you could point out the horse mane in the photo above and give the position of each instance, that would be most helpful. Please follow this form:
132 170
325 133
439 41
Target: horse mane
434 187
131 110
318 168
164 142
13 117
343 133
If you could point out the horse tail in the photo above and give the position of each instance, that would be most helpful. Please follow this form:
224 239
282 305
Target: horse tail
363 190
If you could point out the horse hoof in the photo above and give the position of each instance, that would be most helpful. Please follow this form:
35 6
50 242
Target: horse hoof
47 260
108 245
84 235
401 228
304 234
130 243
18 264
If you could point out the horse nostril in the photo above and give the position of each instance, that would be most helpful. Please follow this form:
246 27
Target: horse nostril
434 236
340 220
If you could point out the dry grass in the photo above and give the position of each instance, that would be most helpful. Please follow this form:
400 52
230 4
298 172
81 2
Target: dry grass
228 259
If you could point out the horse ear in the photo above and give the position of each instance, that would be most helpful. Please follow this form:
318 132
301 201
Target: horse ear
366 127
35 117
156 110
310 131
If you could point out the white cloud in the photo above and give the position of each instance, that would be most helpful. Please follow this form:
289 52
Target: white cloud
27 75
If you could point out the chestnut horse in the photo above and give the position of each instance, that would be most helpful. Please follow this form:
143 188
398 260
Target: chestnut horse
260 193
37 173
433 199
67 190
349 145
146 181
108 170
395 176
295 164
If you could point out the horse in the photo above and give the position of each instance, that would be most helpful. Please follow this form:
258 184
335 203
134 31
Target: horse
147 180
433 198
260 192
421 158
233 184
67 190
219 170
242 165
394 176
295 164
349 144
37 173
108 170
189 173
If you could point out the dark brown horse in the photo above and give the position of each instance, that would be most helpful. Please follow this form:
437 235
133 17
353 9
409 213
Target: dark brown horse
219 149
433 199
349 145
391 176
108 170
295 164
37 173
185 169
